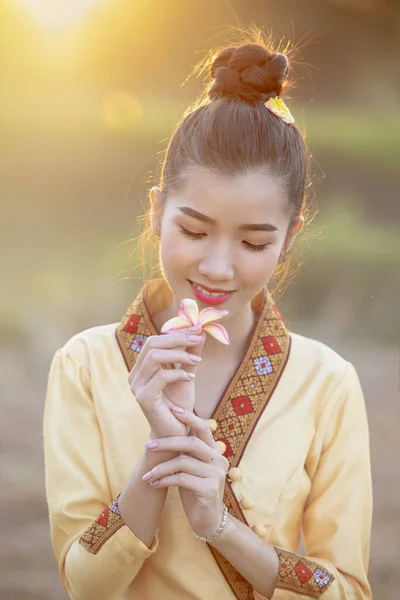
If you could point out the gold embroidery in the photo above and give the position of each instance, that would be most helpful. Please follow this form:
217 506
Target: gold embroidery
106 524
300 575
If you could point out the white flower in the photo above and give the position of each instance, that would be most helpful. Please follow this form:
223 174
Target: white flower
189 316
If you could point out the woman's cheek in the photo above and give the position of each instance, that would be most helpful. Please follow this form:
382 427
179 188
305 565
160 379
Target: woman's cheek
176 250
261 266
253 271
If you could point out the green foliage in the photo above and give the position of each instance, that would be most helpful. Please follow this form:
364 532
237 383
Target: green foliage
345 235
365 134
348 285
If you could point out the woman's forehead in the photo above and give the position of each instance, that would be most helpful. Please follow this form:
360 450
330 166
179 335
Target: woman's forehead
254 194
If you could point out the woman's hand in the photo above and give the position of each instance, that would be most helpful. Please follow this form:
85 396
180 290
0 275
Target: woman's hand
199 472
157 389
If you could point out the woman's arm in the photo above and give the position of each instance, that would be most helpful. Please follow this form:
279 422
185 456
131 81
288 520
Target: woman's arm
254 558
140 505
336 520
98 554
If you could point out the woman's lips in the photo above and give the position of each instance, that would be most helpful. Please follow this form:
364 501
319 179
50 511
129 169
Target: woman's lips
210 300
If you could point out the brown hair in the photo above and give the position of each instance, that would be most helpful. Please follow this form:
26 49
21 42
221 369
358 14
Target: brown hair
230 131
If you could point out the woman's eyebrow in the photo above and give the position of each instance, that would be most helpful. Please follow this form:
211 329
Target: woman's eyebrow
247 227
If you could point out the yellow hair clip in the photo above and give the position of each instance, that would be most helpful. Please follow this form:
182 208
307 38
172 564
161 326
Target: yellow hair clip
279 108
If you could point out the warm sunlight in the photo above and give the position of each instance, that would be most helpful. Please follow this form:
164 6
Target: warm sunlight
121 111
58 13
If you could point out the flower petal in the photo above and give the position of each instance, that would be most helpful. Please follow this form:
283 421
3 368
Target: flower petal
217 331
278 107
189 310
174 324
210 314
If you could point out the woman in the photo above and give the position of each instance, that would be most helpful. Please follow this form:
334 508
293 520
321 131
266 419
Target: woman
257 439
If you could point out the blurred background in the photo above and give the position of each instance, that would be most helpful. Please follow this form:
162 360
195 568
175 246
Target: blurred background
90 92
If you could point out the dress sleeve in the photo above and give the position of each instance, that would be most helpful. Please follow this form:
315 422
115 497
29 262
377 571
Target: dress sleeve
98 555
338 513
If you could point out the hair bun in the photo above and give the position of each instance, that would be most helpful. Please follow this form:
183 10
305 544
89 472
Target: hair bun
248 72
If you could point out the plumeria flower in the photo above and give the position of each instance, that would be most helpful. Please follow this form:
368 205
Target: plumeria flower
278 107
188 316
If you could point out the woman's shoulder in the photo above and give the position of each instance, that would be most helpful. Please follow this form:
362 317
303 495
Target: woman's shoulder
309 353
87 344
329 374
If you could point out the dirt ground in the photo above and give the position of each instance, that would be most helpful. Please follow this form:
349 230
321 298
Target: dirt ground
28 568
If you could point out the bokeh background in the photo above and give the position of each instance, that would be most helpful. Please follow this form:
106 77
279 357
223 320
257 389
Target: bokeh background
90 92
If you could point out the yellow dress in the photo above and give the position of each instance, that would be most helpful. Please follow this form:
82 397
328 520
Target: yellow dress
294 424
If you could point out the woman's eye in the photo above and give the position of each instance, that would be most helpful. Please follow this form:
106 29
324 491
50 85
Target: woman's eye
256 248
191 234
198 236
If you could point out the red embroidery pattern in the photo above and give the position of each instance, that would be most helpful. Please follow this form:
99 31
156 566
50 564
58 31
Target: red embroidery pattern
270 344
106 524
132 324
302 576
242 405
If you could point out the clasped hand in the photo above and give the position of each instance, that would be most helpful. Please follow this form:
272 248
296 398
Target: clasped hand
199 472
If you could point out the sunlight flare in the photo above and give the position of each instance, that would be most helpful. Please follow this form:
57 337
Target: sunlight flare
58 13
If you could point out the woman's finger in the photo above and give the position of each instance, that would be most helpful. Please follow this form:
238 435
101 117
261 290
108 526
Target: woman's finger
183 463
184 480
195 350
157 383
191 445
198 425
180 339
157 357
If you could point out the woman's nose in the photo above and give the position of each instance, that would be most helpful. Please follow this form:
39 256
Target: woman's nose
217 265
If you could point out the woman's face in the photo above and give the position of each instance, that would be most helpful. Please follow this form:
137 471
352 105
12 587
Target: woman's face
222 233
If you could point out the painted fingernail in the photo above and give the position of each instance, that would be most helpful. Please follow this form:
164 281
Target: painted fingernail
195 358
147 476
151 444
178 409
194 338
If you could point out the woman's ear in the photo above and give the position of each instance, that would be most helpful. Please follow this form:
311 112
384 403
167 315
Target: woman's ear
296 228
156 210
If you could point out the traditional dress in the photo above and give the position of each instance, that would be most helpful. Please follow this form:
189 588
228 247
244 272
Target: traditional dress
294 427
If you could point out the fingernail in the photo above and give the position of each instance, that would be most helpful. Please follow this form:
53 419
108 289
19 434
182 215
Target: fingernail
194 338
195 358
147 476
154 483
191 375
178 409
195 328
151 444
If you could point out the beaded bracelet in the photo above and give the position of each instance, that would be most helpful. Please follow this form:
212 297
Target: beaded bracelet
219 530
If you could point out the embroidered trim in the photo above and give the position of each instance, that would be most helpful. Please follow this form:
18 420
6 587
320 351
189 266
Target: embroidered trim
106 524
300 575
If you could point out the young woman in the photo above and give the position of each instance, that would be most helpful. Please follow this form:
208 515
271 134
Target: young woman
256 440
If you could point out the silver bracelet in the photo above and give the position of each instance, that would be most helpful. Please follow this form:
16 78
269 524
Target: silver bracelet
219 530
